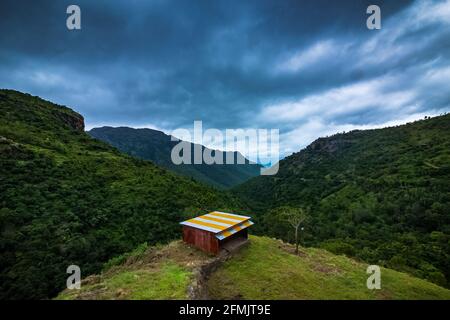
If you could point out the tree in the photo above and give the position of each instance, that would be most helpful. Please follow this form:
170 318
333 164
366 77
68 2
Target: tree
295 217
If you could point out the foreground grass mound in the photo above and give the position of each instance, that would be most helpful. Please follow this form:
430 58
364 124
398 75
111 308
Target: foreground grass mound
264 269
160 272
269 269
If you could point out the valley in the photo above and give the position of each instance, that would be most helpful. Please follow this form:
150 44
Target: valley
373 197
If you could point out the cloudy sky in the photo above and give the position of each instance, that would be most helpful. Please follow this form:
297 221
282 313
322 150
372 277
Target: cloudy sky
307 68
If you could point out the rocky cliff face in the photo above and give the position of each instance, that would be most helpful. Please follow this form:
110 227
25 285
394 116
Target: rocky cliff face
74 121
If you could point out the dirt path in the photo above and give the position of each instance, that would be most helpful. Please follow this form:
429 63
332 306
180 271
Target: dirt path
198 290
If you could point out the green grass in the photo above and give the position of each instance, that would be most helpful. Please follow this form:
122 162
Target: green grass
167 282
147 273
267 269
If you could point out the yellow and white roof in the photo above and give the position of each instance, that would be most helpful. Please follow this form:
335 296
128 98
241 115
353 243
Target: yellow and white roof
221 223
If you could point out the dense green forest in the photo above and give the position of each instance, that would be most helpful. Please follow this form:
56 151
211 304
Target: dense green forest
154 145
66 198
379 195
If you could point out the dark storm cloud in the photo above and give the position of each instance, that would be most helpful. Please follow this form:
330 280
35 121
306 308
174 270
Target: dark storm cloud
301 66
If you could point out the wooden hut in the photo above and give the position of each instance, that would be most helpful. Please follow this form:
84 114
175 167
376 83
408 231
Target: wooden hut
212 231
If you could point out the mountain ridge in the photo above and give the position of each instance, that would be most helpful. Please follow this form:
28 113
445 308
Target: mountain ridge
156 146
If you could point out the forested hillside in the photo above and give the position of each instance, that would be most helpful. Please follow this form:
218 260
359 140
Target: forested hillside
380 195
154 145
66 198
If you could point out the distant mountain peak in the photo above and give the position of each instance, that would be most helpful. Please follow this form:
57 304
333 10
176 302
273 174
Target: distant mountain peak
156 146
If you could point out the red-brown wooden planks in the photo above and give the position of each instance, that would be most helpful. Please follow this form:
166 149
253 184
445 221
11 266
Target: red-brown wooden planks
202 239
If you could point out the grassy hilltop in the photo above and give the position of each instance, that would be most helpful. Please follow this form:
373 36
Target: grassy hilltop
265 269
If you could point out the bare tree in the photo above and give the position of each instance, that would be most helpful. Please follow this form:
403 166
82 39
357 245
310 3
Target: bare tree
295 217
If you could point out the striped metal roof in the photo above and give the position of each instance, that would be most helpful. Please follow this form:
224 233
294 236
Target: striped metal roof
222 235
221 223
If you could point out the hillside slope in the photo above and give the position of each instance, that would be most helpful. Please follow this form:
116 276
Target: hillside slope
67 198
380 195
264 269
156 146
